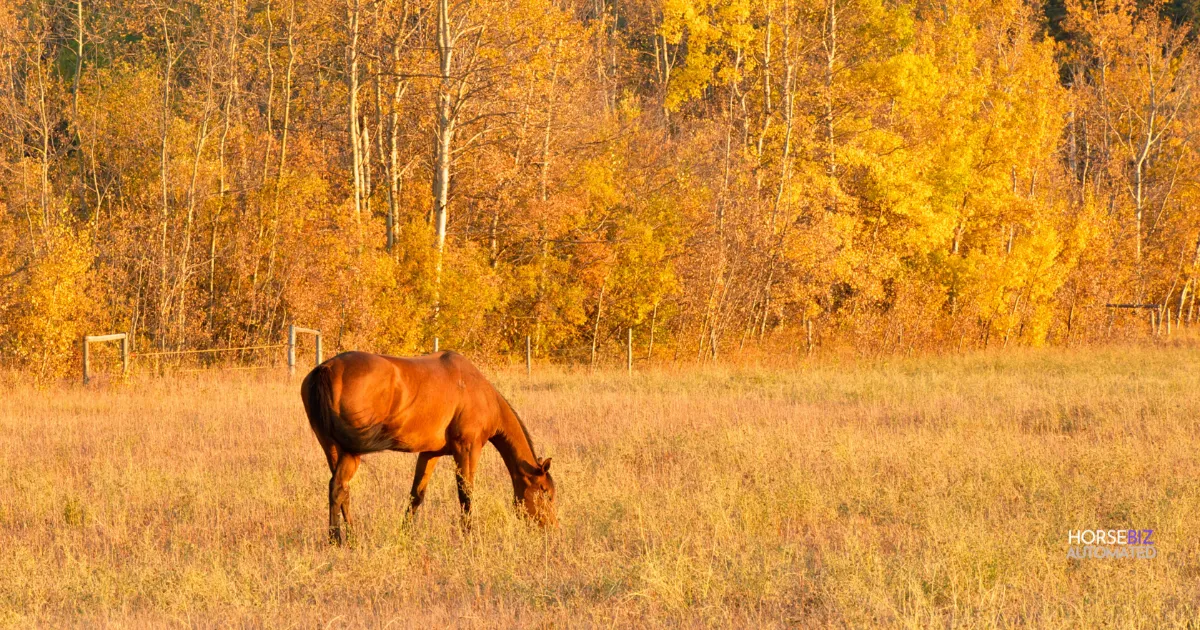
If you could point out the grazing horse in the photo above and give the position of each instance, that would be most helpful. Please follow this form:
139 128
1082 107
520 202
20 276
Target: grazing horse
434 405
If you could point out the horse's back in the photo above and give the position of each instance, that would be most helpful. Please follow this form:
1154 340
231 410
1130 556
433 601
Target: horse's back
378 402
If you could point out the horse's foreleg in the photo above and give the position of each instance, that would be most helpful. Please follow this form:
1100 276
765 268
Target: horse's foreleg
425 465
466 457
339 496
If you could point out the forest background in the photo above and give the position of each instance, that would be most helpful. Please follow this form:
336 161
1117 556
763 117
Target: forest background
719 176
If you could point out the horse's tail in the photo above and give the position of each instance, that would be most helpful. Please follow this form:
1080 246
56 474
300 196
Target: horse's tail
317 393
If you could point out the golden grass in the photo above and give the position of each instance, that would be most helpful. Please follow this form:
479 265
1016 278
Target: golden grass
903 493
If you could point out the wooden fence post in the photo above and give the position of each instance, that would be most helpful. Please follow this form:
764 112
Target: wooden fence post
86 363
435 344
293 330
87 352
528 357
629 351
291 350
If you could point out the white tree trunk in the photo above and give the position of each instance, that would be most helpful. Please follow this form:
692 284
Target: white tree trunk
444 139
352 14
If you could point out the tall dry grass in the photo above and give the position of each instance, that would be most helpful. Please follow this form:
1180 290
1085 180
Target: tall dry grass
903 493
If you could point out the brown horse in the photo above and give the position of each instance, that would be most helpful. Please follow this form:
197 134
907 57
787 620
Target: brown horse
434 405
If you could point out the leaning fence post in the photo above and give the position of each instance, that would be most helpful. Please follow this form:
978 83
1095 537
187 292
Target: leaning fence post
629 351
86 363
125 355
291 350
318 349
528 357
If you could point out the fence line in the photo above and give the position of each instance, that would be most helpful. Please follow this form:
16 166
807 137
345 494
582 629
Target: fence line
166 352
229 367
126 354
291 346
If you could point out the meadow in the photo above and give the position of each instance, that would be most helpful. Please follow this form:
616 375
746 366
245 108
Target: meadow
898 492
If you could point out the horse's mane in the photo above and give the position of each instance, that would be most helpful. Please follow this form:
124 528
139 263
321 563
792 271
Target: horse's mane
520 423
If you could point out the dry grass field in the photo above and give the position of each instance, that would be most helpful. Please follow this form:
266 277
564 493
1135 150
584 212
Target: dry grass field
904 493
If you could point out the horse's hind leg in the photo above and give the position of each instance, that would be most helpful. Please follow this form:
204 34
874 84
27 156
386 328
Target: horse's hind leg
425 465
339 496
331 452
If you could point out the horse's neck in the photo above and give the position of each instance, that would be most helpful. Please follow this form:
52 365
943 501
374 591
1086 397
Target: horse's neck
513 442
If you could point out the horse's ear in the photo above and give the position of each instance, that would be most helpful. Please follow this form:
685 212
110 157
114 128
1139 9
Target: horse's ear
546 464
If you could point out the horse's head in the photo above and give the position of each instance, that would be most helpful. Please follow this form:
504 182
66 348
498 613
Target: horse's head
537 495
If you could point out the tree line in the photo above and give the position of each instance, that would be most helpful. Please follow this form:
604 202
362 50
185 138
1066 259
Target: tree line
721 176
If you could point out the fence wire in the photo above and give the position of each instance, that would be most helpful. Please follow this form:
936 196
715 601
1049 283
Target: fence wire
174 352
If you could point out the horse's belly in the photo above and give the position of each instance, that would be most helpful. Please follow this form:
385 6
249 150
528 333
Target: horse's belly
419 439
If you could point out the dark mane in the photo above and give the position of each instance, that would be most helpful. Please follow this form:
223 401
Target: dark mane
520 423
